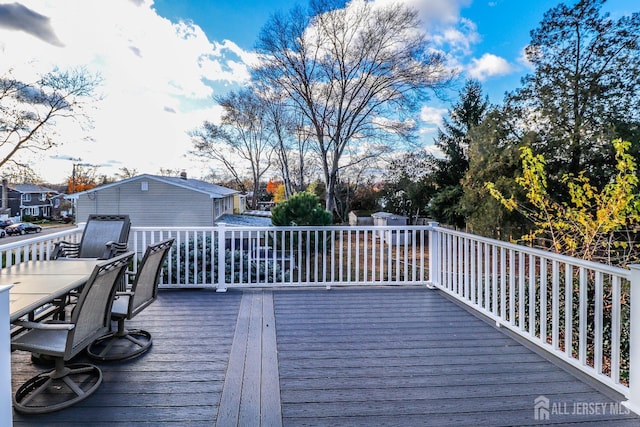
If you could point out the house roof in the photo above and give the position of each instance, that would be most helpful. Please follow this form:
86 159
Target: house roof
213 190
31 188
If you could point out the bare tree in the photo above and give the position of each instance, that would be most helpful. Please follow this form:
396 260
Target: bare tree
303 165
355 73
290 141
242 138
29 110
125 173
169 172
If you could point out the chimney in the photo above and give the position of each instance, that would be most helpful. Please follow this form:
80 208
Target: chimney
183 174
5 194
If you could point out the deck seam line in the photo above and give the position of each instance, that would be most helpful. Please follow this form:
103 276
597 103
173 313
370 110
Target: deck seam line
271 405
229 410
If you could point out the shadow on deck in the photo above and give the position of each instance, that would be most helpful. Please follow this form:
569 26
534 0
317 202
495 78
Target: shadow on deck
381 356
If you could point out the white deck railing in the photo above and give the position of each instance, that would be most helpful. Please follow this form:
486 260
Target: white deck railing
577 310
535 294
291 256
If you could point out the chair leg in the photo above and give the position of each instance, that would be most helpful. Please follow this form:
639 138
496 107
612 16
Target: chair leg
57 389
120 345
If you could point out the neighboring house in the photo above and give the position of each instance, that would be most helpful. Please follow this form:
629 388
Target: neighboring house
152 200
29 199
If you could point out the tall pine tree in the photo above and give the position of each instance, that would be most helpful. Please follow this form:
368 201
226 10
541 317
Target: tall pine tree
584 89
453 142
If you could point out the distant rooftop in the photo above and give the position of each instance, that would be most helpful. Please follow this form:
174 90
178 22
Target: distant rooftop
246 220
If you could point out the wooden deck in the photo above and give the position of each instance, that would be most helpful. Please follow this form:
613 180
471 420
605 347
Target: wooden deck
345 357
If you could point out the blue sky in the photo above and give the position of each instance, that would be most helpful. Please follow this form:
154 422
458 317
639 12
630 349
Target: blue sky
162 61
502 26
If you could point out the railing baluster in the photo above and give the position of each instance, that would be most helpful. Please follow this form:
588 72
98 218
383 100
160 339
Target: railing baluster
487 276
555 303
521 292
615 329
494 279
532 295
503 283
568 311
472 271
543 299
597 323
221 285
583 306
365 261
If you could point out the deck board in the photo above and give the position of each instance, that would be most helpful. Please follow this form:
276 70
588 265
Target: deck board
344 357
251 394
409 357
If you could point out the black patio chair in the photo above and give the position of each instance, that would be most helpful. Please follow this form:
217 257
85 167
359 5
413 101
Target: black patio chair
68 384
104 236
129 343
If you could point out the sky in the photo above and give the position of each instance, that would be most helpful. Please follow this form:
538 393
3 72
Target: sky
161 63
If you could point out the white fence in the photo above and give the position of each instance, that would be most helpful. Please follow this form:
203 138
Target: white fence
224 257
578 311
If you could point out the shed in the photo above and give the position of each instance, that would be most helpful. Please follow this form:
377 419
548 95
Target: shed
392 237
360 218
387 218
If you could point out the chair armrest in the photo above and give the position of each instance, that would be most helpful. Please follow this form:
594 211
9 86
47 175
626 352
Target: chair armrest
114 248
124 293
65 249
45 326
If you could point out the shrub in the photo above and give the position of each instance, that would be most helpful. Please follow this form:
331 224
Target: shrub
198 265
302 208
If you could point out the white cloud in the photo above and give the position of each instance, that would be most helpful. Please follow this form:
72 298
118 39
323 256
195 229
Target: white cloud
434 11
488 65
442 22
457 40
432 115
522 59
157 78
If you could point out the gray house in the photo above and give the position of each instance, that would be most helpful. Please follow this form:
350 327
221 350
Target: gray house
152 200
20 200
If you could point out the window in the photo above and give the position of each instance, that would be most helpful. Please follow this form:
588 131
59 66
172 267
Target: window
144 186
26 197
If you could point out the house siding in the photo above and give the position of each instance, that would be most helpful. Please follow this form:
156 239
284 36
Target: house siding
161 204
28 199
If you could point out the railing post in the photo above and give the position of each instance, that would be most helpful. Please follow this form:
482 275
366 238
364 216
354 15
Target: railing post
434 254
221 285
633 403
5 359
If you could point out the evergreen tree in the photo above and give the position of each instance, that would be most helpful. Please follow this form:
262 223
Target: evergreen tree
300 209
453 141
493 157
586 81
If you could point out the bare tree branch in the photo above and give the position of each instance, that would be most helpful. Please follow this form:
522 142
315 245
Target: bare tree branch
355 73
